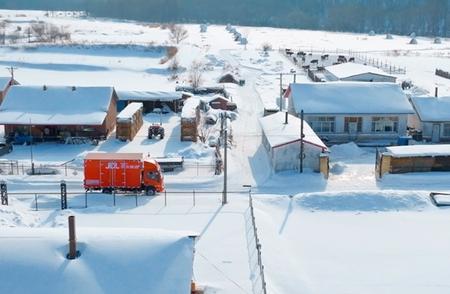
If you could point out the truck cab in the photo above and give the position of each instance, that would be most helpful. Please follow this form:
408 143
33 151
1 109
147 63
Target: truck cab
153 179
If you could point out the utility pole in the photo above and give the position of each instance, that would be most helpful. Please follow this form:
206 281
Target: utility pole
281 92
302 151
11 71
225 146
31 149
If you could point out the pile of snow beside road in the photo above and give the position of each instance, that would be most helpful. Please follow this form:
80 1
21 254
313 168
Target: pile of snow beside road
16 214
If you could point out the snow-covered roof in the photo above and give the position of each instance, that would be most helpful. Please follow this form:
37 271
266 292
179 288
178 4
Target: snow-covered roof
350 69
278 133
209 99
111 261
128 112
349 98
419 150
56 105
190 107
432 109
149 95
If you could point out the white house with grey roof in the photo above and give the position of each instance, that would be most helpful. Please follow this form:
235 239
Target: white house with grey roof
434 117
363 112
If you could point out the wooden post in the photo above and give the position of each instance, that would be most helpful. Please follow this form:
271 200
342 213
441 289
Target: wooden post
302 146
73 253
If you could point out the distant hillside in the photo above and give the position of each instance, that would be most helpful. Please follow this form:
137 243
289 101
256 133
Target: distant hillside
424 17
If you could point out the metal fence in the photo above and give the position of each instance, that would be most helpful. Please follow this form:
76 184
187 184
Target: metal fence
259 282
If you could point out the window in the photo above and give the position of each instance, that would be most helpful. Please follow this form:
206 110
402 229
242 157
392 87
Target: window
322 124
446 130
382 124
353 124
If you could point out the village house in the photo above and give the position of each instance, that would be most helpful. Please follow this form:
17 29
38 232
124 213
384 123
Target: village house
281 139
107 260
56 112
153 99
434 117
5 84
375 113
356 72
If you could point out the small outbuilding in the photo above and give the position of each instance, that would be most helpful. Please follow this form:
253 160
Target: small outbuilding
220 102
434 117
413 158
281 139
58 112
129 121
190 118
228 78
355 72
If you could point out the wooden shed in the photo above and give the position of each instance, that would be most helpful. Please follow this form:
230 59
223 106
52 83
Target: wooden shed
190 118
129 121
415 158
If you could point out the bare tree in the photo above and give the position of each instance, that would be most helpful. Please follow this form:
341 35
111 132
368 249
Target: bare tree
174 68
3 25
178 33
39 30
195 74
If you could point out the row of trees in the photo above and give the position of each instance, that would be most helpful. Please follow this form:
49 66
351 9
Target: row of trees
425 17
37 32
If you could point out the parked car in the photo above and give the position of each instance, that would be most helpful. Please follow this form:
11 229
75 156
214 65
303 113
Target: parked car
5 148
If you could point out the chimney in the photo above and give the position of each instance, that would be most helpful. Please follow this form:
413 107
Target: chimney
73 253
436 92
44 88
73 88
286 118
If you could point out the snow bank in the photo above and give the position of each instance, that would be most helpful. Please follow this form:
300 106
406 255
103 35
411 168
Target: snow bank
361 201
348 150
17 215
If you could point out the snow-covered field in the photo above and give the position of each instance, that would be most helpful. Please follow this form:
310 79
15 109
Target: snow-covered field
348 234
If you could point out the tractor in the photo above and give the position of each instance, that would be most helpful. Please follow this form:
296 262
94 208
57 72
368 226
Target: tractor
155 130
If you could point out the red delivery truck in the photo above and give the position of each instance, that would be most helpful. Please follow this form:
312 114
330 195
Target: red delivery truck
123 172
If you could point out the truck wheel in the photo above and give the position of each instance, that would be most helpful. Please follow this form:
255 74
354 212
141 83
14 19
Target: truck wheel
150 191
161 137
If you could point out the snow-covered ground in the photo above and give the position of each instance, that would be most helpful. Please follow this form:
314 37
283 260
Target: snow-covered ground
348 234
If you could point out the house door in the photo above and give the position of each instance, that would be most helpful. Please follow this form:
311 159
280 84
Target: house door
436 134
352 127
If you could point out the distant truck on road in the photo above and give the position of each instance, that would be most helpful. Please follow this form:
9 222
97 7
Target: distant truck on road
122 172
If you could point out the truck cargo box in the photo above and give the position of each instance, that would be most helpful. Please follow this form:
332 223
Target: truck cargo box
113 170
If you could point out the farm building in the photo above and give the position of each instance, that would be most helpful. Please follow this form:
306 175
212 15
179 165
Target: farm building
413 158
434 117
153 99
56 113
375 113
281 139
356 72
129 121
190 118
109 261
5 84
